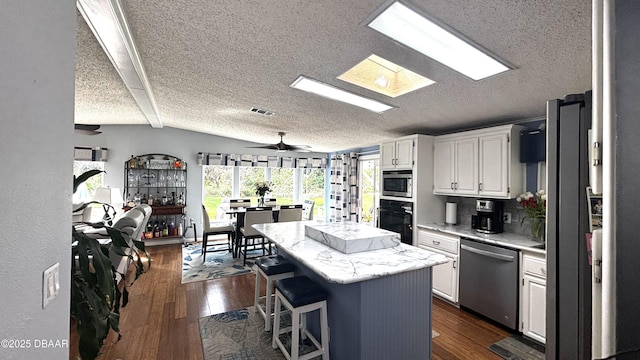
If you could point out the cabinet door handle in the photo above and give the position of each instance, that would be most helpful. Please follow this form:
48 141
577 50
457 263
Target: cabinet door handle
544 272
451 186
455 186
393 161
480 186
455 265
435 242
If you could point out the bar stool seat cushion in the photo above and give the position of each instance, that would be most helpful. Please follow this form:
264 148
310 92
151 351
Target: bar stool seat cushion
301 290
273 265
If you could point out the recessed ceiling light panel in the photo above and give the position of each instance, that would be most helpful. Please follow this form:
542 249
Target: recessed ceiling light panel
414 30
319 88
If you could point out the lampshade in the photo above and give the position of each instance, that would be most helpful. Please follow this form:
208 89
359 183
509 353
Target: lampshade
108 196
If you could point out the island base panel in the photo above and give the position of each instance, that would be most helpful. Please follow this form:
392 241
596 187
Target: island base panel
384 318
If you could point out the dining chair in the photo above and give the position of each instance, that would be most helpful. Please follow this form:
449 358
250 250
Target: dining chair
250 237
236 203
290 213
307 210
270 201
215 228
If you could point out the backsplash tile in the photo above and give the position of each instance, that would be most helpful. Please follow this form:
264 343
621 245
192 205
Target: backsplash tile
467 207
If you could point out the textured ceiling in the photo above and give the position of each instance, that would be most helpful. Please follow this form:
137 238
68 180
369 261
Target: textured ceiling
209 62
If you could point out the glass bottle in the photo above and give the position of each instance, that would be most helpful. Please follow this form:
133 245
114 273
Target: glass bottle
165 229
132 163
164 198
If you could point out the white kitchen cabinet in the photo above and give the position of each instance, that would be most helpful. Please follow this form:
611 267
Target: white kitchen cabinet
444 276
493 176
481 162
456 166
534 291
397 154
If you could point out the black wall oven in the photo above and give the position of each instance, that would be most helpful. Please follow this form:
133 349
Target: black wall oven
397 216
397 183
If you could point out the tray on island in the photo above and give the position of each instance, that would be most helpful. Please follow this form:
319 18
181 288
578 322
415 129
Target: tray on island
351 237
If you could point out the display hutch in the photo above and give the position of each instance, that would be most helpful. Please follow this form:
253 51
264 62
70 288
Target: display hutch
159 180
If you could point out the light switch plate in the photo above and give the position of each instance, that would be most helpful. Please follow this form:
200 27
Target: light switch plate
50 284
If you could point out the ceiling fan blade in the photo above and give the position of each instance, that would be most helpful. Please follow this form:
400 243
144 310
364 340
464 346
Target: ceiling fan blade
268 146
87 129
281 146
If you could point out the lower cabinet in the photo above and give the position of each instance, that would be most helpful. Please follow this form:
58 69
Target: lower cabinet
444 276
534 301
445 279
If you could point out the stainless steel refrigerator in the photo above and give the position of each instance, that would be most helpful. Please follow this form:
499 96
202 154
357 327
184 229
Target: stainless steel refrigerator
568 269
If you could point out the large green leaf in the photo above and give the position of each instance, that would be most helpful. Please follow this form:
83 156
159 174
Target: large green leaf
84 177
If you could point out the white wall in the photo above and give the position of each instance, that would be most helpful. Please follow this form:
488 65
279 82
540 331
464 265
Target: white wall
37 69
122 141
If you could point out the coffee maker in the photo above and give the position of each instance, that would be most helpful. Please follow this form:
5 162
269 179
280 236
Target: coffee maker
489 216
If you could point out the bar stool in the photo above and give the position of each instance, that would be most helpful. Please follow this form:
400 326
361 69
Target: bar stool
300 295
272 268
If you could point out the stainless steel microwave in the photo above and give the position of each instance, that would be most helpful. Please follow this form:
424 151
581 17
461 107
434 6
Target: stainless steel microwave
397 183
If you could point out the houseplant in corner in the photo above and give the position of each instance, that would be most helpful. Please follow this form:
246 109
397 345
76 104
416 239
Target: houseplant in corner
535 208
95 296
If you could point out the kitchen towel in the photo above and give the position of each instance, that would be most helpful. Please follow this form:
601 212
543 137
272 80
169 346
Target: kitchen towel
451 213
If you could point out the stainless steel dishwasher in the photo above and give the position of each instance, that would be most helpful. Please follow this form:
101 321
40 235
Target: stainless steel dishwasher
489 281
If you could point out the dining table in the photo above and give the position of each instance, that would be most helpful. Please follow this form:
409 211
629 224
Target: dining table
239 212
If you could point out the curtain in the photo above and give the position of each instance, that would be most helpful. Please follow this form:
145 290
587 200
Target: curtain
343 201
250 160
89 154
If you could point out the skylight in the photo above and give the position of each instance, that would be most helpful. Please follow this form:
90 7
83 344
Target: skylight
316 87
406 26
383 76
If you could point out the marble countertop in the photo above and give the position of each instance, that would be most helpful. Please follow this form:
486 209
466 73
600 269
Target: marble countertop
511 240
341 268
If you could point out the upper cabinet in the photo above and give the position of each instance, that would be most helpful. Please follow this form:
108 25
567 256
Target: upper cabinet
397 154
456 166
479 163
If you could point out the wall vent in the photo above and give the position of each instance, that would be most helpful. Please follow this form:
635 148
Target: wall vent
261 111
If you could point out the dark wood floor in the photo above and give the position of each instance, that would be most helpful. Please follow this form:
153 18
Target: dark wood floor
161 320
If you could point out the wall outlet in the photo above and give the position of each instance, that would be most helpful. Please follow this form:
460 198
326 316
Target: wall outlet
507 218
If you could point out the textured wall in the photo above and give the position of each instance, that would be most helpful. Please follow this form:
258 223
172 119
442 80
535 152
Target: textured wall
36 143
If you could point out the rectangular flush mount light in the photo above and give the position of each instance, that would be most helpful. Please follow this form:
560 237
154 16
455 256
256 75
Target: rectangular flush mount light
404 25
316 87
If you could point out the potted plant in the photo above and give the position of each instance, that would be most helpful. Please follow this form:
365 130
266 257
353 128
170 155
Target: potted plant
95 296
535 208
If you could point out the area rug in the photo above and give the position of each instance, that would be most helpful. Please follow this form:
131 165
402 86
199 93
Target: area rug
517 347
217 265
239 334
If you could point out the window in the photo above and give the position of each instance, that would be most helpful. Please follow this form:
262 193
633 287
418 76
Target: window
87 189
368 182
282 185
313 181
248 177
290 186
218 186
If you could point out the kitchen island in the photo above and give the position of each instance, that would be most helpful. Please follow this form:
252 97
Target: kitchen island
379 304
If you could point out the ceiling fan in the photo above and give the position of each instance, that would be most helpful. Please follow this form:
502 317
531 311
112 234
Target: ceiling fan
281 146
83 129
